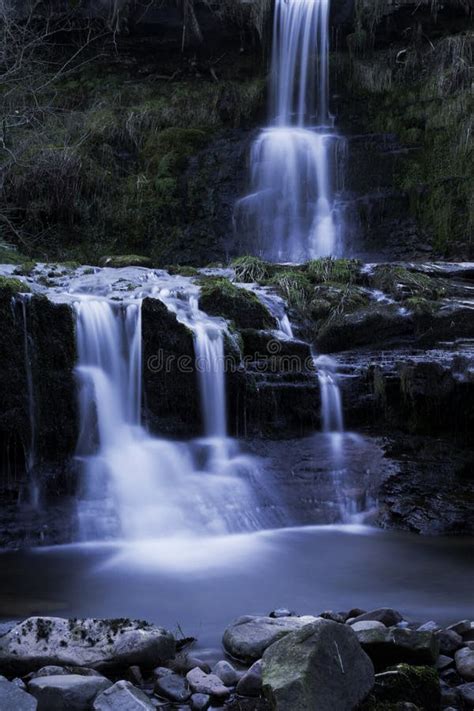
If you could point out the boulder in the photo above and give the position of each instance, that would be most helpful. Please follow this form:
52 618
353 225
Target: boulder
462 627
392 645
53 670
467 693
385 615
12 698
248 637
251 682
41 641
464 659
122 696
173 687
67 692
443 662
320 666
209 684
449 641
405 683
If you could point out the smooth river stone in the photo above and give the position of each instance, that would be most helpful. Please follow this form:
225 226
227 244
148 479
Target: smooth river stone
12 698
70 692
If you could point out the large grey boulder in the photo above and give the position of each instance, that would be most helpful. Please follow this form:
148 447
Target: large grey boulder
465 663
392 645
321 666
41 641
123 696
12 698
70 692
248 637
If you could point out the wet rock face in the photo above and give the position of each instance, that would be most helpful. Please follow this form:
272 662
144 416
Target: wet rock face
50 351
171 393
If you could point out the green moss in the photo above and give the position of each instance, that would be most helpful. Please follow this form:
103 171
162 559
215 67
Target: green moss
13 286
183 270
219 297
168 151
405 683
420 306
8 255
125 260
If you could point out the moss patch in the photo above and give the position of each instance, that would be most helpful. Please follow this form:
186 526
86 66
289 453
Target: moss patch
12 285
221 298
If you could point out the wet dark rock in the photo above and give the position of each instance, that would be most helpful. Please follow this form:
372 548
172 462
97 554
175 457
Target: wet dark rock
467 693
248 637
334 616
385 615
449 641
169 379
415 684
319 666
173 687
462 627
282 612
67 692
122 696
443 662
251 682
200 702
41 641
451 677
242 703
449 695
13 697
394 645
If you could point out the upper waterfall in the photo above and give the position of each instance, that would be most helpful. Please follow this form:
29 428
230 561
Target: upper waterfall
300 63
289 213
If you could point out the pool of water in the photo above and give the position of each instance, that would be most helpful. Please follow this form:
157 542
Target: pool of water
198 586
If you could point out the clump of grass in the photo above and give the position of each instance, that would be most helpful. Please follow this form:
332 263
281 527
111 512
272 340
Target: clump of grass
250 269
328 269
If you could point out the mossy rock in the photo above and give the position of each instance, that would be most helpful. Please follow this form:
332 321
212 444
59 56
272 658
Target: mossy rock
13 286
405 683
125 260
183 270
421 306
328 269
25 269
219 297
400 282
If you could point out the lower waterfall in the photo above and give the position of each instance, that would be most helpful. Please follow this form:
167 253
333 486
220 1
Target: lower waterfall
135 486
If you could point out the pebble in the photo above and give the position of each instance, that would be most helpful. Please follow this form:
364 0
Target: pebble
200 702
173 687
210 684
226 673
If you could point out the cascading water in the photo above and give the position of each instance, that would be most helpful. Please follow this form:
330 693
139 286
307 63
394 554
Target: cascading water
136 486
34 490
290 208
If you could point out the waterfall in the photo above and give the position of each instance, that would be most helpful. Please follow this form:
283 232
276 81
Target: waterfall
331 402
289 209
135 486
34 489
